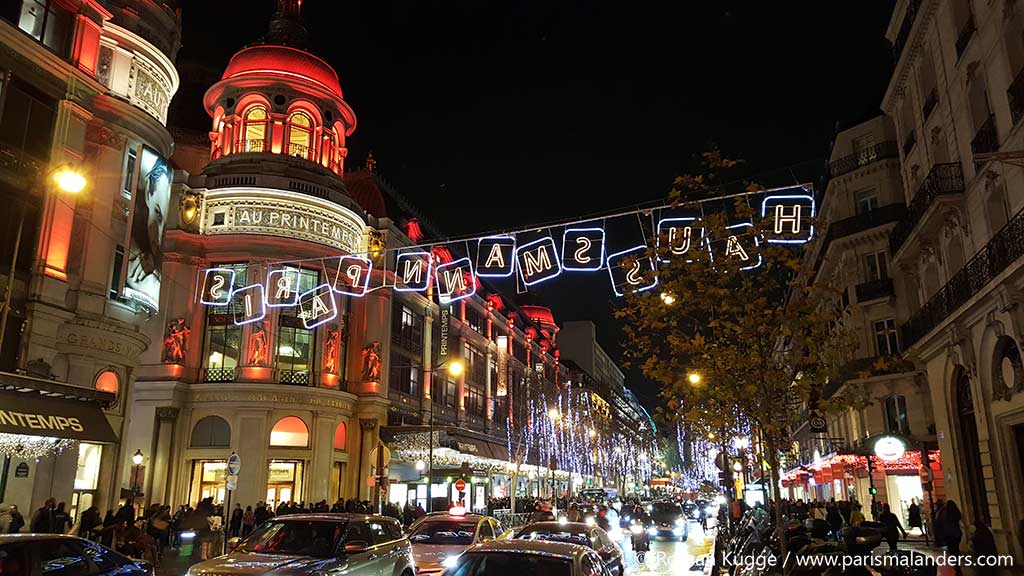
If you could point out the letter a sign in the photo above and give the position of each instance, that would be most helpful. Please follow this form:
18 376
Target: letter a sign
317 306
412 271
538 261
455 280
495 257
631 271
788 218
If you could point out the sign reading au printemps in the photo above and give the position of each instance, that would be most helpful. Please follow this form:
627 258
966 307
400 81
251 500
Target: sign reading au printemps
277 213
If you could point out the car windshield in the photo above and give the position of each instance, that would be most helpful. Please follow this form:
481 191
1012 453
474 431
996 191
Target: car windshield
444 532
665 508
511 564
556 536
296 538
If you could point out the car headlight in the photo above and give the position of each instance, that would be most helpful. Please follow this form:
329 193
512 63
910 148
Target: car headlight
450 561
680 521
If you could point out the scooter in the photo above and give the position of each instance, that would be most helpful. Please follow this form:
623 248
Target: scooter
639 538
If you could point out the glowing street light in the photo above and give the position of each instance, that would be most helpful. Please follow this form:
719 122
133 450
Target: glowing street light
455 367
420 465
667 298
737 466
554 414
694 378
69 180
592 433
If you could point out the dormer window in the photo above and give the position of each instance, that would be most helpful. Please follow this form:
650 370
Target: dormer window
300 135
254 130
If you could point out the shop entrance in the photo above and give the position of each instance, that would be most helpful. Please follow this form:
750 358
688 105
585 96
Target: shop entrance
209 480
284 482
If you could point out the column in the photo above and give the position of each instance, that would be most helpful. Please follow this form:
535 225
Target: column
427 359
163 454
368 441
370 329
322 441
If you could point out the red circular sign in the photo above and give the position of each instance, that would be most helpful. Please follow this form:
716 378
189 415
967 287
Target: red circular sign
460 485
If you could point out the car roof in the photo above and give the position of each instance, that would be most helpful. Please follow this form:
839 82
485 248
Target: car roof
29 537
329 516
538 547
449 516
559 526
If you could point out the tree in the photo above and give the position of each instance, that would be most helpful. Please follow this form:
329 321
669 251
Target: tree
763 341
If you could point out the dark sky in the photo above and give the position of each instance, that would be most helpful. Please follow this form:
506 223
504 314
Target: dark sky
500 114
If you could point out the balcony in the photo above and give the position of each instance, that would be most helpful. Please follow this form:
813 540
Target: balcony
1000 252
944 179
964 38
909 142
1015 96
986 139
859 223
20 163
219 375
887 149
930 102
251 146
905 26
874 290
293 377
300 151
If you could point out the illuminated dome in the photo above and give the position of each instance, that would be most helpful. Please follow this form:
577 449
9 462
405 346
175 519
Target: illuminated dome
285 62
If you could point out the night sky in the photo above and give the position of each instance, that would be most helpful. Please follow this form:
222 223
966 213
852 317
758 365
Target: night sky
491 115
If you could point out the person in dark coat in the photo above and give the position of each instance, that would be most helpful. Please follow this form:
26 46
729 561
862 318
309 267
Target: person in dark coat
90 523
892 527
236 521
260 513
42 519
110 524
983 541
947 524
61 519
834 519
914 516
17 521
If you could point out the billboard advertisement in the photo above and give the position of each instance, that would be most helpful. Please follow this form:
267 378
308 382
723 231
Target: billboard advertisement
149 216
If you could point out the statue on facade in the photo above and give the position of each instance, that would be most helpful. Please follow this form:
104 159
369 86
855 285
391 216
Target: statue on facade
331 351
371 362
258 345
176 341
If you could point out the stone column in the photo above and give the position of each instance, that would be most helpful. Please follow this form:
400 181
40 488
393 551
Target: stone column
322 441
368 441
163 454
371 322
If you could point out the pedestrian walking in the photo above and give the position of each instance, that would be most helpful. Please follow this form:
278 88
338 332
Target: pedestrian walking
892 527
236 521
914 519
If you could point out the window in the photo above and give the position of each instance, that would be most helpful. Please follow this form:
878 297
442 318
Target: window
875 267
863 143
896 415
474 319
886 337
295 344
27 124
476 366
451 393
128 183
865 200
115 274
108 381
474 400
340 436
223 339
378 532
996 208
407 328
47 22
211 432
300 135
405 375
255 130
291 432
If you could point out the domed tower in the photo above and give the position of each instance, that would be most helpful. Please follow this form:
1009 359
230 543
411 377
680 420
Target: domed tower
276 97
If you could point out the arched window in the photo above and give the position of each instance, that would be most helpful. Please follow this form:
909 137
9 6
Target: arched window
340 436
290 432
254 130
300 135
969 455
211 432
108 381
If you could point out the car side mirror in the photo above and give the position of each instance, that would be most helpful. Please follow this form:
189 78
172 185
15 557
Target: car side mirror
233 543
356 546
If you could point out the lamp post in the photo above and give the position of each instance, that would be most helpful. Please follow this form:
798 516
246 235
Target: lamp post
455 367
65 179
554 415
137 461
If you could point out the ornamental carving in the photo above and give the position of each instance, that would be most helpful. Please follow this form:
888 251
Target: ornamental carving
259 344
331 350
367 424
99 134
167 413
176 341
371 362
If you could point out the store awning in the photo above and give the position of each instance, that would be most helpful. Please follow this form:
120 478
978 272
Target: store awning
33 412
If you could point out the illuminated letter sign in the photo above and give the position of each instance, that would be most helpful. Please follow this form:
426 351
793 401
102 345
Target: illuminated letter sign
631 271
739 246
352 275
538 261
494 257
788 218
455 280
583 249
282 287
680 237
249 304
412 271
217 285
317 306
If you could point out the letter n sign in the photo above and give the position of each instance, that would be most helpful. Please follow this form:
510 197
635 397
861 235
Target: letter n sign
583 249
412 271
495 257
632 271
217 284
455 280
538 261
282 287
352 275
788 218
317 306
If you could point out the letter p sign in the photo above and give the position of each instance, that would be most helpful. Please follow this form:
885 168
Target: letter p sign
352 275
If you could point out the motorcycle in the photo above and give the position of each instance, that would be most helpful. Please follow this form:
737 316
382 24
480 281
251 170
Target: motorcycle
639 538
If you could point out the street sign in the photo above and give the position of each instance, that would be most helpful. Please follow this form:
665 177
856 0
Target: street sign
387 456
232 482
460 485
234 465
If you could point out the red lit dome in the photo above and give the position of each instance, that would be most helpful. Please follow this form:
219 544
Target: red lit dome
286 62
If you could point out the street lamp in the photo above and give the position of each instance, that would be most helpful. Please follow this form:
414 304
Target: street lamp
455 367
667 298
67 179
137 461
694 378
420 465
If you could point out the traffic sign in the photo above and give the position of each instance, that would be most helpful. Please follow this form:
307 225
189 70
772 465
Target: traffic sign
373 456
234 464
232 482
460 485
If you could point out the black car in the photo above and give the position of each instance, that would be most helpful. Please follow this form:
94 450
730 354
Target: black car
577 533
20 554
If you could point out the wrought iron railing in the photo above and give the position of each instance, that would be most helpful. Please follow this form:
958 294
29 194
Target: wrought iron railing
1001 251
219 375
905 26
887 149
986 139
930 102
251 146
859 223
909 141
1015 96
300 150
294 377
16 160
942 180
874 289
964 38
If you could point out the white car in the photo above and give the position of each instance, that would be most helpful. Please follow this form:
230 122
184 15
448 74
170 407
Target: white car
437 539
528 557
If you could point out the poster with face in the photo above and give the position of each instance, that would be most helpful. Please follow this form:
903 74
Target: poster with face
149 216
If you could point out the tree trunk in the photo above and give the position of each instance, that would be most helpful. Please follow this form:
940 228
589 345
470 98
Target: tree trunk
512 489
730 483
780 528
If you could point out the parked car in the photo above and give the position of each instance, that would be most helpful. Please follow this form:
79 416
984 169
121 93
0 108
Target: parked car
527 557
314 544
60 554
438 538
668 520
577 533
